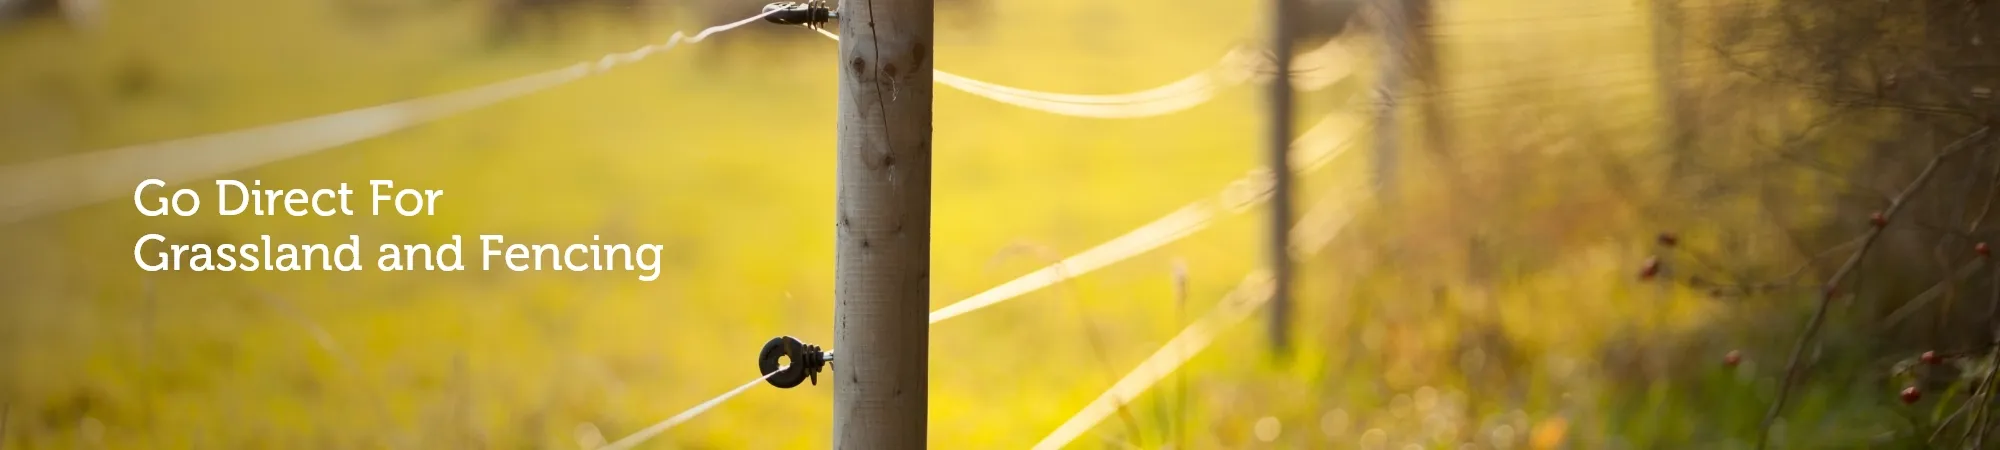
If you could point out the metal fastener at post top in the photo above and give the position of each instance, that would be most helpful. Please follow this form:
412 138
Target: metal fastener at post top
812 14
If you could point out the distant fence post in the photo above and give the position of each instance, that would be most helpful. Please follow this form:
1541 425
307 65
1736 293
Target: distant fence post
883 225
1278 139
1675 135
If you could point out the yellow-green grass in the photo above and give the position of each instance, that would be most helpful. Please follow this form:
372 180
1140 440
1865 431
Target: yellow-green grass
723 152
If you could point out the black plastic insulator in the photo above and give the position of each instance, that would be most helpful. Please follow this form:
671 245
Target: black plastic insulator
807 360
809 13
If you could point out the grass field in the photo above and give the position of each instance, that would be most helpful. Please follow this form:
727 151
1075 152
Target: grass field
723 153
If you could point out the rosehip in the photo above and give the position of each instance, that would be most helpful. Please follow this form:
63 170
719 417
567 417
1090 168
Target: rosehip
1981 249
1733 358
1877 219
1931 358
1650 268
1910 395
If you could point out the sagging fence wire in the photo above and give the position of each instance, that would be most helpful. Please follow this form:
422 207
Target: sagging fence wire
1325 65
50 186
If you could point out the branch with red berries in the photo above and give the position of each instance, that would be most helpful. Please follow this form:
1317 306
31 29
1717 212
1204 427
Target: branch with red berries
1878 222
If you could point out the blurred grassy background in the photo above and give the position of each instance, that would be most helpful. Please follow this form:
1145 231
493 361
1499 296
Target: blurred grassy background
1537 336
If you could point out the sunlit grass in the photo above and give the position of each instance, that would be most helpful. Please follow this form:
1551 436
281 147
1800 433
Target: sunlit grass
724 154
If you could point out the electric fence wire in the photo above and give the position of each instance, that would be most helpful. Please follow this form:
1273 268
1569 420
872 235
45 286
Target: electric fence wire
1315 229
649 432
33 189
1326 65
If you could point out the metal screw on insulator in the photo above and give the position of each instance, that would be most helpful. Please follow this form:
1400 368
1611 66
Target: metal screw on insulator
807 360
811 13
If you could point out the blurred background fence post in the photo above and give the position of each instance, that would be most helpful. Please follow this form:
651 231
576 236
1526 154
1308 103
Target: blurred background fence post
882 243
1279 142
1667 47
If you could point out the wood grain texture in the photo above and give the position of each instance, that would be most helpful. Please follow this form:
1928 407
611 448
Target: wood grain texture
1278 144
882 251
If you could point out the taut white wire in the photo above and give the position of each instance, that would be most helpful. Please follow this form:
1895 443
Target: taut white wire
684 416
49 186
1247 297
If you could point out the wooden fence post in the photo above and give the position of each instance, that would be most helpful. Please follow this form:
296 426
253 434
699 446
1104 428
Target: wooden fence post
1278 142
883 224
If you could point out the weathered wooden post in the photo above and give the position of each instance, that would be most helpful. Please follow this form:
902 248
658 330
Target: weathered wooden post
883 225
1278 140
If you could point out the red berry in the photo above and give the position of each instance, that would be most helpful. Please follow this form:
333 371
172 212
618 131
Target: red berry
1876 219
1669 239
1733 358
1931 358
1650 268
1910 395
1981 249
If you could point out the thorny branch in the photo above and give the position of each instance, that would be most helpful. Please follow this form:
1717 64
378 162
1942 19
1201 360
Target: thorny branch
1828 291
